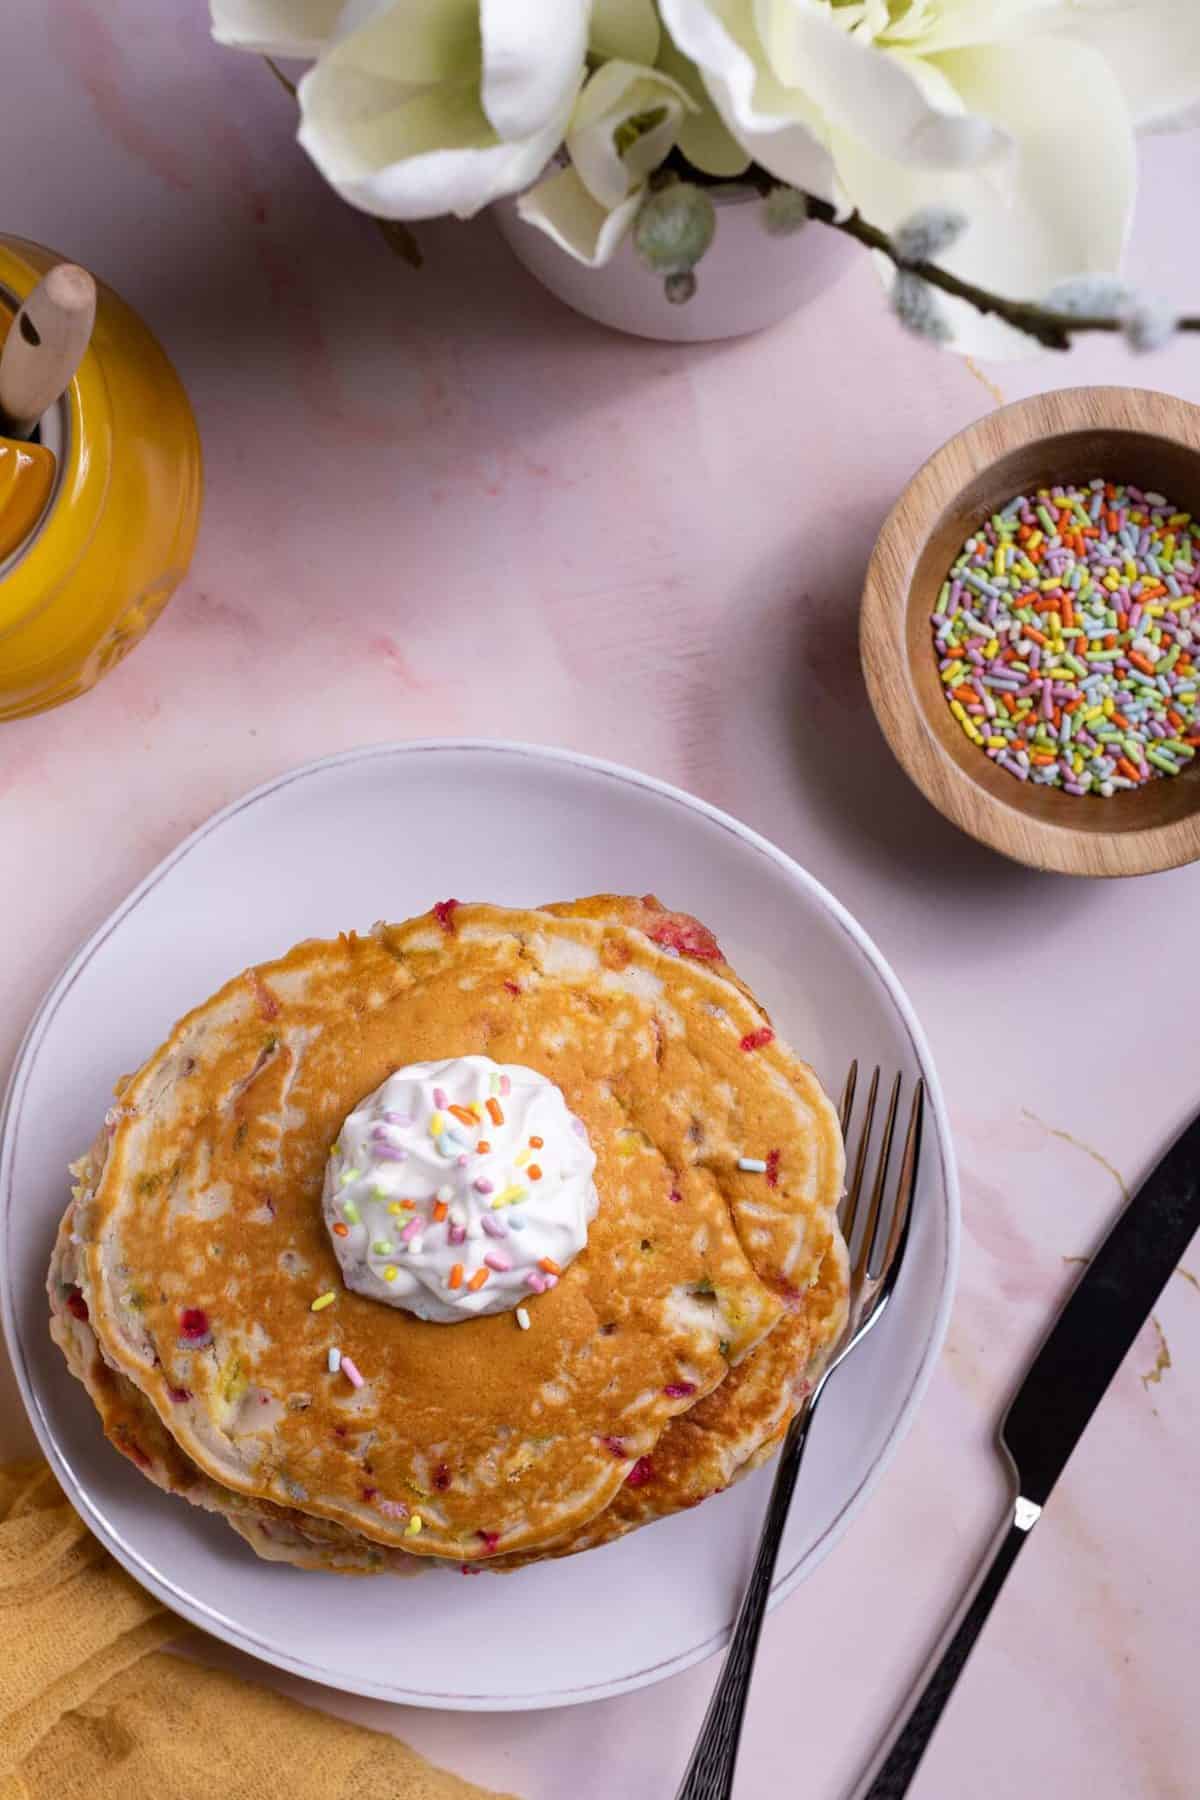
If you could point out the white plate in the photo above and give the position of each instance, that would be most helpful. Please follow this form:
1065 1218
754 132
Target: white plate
311 853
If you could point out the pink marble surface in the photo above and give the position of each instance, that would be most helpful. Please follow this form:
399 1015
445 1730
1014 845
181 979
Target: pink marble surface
665 547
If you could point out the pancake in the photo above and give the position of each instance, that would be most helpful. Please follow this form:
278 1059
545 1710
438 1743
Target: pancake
726 1436
278 1533
206 1200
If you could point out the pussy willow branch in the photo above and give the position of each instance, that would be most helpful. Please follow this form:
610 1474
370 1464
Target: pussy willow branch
1053 329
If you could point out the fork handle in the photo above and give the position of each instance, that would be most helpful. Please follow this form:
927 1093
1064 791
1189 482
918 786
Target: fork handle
709 1774
892 1778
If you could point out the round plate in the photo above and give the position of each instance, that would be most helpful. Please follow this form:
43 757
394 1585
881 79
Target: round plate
518 826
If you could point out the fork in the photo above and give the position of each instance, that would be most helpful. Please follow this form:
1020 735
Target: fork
876 1243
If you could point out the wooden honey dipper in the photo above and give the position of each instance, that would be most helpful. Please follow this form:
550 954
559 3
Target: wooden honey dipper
40 354
45 343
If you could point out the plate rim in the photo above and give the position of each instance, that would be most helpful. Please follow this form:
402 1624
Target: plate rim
241 1637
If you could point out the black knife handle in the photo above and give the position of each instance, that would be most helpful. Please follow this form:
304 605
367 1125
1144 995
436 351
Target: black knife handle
892 1779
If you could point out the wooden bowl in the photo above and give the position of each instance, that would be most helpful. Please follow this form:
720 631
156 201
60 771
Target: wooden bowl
1124 434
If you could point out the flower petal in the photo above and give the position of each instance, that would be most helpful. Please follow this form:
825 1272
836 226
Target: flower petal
275 27
623 95
874 96
776 127
703 136
1153 46
968 23
1064 205
562 207
395 140
533 54
624 29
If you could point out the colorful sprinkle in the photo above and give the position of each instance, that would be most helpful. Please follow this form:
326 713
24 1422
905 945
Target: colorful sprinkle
483 1186
439 1096
482 1148
193 1323
455 1278
439 1212
412 1529
463 1114
495 1112
522 1318
506 1084
1064 636
495 1227
773 1159
477 1280
753 1165
350 1371
389 1274
496 1259
515 1223
340 1230
350 1211
534 1172
333 1361
537 1143
549 1265
322 1301
510 1196
758 1040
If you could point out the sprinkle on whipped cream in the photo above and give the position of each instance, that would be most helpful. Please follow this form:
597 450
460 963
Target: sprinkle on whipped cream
459 1188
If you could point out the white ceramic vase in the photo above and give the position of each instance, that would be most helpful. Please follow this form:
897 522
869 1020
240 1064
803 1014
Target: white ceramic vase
748 279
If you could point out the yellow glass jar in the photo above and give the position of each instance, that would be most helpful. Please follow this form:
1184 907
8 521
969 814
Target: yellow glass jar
117 533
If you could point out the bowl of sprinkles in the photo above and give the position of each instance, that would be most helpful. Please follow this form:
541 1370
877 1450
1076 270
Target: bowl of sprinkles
1031 631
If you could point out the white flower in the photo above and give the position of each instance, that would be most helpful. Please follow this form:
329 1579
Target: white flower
420 107
625 121
1019 114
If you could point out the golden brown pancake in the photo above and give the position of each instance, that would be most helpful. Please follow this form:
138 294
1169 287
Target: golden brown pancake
207 1205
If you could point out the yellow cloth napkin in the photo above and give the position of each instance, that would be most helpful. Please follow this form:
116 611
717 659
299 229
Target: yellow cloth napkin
91 1710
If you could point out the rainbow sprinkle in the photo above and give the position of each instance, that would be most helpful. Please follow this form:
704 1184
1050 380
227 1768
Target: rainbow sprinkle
333 1361
753 1165
1064 637
522 1318
322 1301
350 1371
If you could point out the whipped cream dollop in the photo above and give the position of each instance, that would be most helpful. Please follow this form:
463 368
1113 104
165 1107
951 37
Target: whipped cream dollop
459 1188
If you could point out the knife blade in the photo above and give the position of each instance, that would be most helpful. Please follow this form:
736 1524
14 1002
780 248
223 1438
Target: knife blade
1065 1383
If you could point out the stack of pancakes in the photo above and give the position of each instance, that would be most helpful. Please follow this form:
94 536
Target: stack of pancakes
664 1364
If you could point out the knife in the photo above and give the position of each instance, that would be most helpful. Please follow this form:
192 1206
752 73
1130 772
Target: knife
1066 1383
